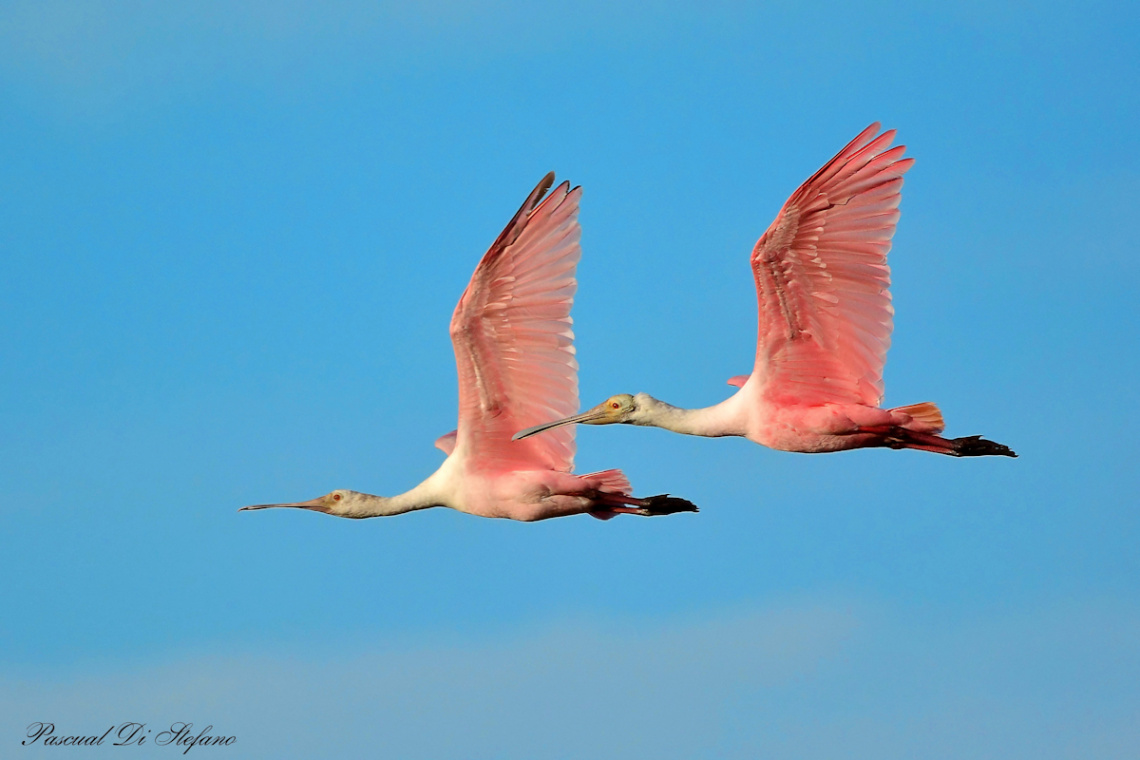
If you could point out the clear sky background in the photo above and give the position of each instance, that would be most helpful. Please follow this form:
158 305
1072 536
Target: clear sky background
231 238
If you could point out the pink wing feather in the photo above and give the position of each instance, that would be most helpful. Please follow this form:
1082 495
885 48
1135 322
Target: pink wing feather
446 442
822 279
514 347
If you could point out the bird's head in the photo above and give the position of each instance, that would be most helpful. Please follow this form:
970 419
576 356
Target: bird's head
622 408
341 502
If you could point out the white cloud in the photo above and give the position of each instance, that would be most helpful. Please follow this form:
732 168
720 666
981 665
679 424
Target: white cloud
804 681
574 690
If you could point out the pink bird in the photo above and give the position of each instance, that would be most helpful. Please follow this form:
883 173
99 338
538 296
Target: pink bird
515 353
822 283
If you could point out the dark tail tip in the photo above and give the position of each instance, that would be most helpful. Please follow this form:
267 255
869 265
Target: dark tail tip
976 446
664 504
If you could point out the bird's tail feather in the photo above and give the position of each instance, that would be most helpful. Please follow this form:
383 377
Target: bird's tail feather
610 481
927 414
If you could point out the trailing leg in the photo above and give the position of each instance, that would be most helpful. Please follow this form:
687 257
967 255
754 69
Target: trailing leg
969 446
652 506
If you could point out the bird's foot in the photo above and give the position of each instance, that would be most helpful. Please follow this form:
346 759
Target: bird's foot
976 446
664 504
652 506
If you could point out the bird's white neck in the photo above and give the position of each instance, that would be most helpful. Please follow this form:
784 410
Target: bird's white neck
422 496
710 421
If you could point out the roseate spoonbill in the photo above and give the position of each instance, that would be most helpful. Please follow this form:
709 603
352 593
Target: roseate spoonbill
515 353
822 284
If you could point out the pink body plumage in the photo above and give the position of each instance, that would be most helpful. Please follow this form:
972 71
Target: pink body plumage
514 350
825 320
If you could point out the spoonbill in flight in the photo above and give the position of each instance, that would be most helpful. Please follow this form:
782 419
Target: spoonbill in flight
822 283
515 353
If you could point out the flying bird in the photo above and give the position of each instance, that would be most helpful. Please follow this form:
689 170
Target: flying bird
515 353
823 288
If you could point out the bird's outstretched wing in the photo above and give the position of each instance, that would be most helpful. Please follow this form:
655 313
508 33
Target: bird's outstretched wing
514 347
822 279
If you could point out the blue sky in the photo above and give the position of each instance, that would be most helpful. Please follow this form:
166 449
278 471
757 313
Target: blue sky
232 236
